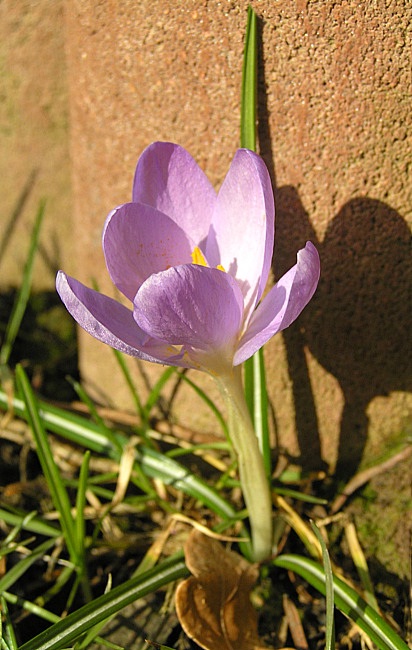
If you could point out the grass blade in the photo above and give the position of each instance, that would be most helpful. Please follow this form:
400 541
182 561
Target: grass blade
157 465
62 634
21 521
360 564
79 522
83 396
70 426
86 433
347 600
257 401
208 402
130 383
50 470
254 368
249 85
23 295
7 636
34 609
16 530
327 568
19 569
299 496
157 389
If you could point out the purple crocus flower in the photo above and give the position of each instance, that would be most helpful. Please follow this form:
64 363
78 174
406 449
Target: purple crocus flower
194 264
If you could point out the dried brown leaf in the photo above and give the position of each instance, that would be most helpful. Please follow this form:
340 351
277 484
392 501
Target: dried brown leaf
213 606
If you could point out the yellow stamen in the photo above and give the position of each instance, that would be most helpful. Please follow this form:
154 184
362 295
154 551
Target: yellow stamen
198 257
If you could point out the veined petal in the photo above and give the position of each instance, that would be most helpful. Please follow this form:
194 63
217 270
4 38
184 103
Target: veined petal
283 303
193 306
242 230
169 179
112 323
138 240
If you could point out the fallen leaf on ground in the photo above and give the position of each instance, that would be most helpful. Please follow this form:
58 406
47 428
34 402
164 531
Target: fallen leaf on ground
213 605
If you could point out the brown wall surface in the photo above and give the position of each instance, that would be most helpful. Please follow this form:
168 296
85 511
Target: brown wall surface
34 160
334 125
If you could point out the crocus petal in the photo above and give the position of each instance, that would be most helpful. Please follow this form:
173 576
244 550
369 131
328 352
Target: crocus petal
283 304
242 230
169 179
193 306
138 240
112 323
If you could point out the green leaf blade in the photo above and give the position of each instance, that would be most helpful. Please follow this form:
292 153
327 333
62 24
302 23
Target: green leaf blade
63 633
249 85
347 600
58 492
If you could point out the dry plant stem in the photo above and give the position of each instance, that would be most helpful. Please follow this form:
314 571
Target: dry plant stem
252 475
366 475
294 623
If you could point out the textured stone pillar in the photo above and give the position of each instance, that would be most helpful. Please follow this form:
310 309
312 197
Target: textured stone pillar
334 124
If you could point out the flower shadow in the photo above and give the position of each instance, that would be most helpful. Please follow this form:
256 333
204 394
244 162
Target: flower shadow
357 325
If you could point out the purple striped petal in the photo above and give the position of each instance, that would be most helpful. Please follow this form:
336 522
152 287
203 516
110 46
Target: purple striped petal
112 323
283 303
185 313
138 241
193 306
242 230
170 180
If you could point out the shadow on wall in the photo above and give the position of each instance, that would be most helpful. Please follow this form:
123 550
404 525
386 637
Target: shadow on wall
358 323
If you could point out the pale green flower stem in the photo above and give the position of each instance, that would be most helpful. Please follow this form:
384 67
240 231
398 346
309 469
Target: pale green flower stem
256 491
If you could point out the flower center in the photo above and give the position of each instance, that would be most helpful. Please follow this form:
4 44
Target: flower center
199 258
